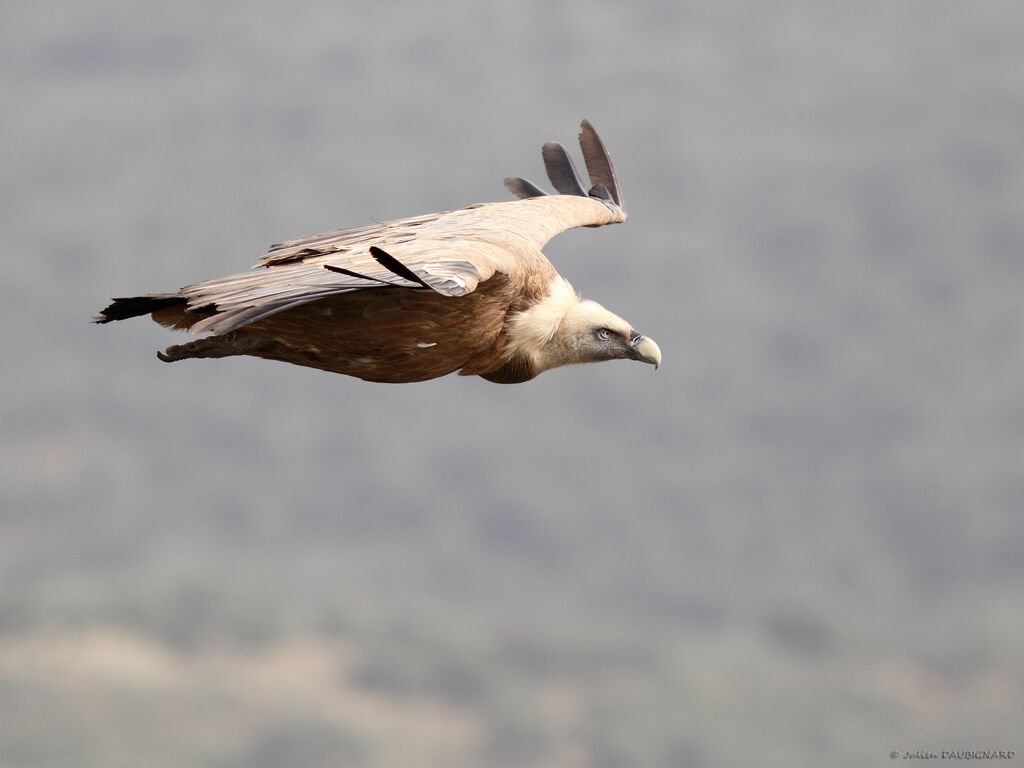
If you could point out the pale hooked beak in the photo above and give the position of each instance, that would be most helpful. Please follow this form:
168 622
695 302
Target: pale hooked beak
645 350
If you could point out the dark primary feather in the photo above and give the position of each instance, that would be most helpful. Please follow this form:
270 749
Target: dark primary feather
599 163
522 188
561 169
600 191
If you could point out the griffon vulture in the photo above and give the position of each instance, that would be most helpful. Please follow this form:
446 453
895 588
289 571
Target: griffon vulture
413 299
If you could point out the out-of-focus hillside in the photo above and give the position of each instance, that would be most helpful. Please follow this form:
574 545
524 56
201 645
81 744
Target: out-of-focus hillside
799 542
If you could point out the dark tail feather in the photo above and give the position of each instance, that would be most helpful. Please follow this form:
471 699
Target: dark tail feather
599 163
134 306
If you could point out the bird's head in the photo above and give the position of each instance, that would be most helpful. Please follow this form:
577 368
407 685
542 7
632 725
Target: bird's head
589 333
563 330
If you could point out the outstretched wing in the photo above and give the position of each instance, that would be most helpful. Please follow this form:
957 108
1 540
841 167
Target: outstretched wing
560 170
449 252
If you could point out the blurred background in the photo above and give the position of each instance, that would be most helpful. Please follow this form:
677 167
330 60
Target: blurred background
798 543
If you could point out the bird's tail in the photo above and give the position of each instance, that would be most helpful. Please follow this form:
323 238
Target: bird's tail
134 306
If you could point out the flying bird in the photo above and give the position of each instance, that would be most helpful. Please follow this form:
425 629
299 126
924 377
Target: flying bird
414 299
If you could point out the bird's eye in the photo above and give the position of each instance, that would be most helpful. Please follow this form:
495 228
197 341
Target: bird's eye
605 334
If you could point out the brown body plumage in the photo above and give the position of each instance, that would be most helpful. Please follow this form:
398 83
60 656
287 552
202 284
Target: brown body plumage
414 299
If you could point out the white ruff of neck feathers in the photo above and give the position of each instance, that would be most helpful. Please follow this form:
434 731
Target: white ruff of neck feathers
533 328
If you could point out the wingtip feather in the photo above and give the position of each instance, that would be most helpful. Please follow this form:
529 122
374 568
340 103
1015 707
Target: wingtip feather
599 162
522 188
561 169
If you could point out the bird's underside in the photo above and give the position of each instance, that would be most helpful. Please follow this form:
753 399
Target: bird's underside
381 334
414 299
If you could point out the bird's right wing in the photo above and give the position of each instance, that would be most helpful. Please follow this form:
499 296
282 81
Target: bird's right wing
538 225
449 252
